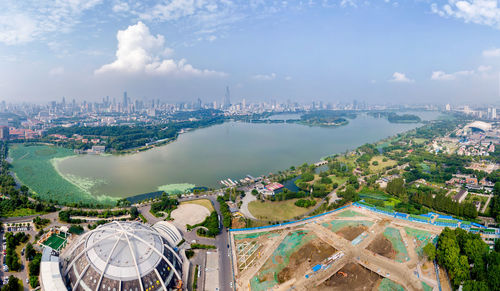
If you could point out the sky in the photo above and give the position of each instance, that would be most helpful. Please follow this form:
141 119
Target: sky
379 51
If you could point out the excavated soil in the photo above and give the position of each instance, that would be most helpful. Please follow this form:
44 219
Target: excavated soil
351 232
309 255
357 278
382 246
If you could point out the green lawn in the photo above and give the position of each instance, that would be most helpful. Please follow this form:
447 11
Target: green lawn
419 140
276 211
381 164
23 212
338 180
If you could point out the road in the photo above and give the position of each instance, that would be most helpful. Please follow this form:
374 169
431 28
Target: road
221 242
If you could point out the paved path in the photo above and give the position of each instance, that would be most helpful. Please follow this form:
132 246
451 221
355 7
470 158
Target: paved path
487 203
244 206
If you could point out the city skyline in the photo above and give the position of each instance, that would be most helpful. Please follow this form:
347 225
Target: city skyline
184 50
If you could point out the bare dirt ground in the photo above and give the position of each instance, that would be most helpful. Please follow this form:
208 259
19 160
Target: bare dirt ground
189 214
351 232
315 251
428 270
382 246
358 278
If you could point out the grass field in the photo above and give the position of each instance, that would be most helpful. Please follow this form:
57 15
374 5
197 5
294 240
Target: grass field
55 241
203 202
349 161
276 211
389 201
471 197
381 164
33 166
23 212
338 180
419 140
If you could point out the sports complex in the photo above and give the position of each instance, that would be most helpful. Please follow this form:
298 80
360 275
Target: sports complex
355 247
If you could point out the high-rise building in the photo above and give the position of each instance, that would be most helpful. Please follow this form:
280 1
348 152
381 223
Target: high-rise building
125 99
227 99
4 132
448 107
493 113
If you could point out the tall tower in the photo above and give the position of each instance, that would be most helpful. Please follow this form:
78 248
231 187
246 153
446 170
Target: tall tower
493 113
227 98
125 99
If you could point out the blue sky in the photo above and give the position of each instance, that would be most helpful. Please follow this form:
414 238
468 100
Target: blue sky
178 50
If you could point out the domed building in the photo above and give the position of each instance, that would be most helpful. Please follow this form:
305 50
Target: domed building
122 256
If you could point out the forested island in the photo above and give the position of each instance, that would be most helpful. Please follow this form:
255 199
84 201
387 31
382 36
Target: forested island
327 118
396 118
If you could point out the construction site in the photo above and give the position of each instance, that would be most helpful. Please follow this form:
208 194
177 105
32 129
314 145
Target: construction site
353 248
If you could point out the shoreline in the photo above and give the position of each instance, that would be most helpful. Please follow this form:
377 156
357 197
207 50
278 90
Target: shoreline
107 198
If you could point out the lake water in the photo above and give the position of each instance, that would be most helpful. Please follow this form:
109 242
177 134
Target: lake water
205 156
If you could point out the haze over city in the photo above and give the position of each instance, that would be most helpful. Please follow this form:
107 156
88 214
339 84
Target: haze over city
334 51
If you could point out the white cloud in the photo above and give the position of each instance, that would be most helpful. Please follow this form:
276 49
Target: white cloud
288 78
141 52
494 52
485 12
442 76
56 71
25 21
484 68
400 78
345 3
268 77
120 7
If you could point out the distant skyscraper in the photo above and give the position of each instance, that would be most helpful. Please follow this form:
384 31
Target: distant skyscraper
125 99
227 99
4 132
493 113
448 107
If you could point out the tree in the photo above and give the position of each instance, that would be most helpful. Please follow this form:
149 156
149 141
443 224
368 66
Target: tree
396 187
13 284
134 212
430 251
30 252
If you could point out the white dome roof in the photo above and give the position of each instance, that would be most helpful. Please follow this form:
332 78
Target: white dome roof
123 255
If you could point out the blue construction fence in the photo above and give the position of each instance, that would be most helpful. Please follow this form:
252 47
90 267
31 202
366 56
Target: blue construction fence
290 222
423 218
439 219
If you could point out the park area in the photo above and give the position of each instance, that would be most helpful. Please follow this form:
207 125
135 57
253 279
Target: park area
380 163
277 211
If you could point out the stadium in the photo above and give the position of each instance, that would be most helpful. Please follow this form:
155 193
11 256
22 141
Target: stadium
120 255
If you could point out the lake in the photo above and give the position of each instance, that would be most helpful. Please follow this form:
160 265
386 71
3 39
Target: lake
205 156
